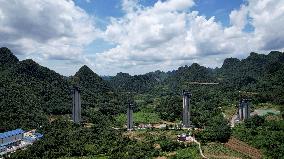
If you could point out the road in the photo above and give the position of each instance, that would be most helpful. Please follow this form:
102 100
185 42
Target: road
200 150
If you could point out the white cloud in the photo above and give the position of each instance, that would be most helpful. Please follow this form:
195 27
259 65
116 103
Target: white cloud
238 18
268 19
173 5
168 35
48 28
163 36
130 5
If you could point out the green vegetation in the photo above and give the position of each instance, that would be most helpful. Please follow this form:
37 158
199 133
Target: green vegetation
31 94
64 139
170 108
217 130
191 152
138 83
139 117
267 135
215 150
165 143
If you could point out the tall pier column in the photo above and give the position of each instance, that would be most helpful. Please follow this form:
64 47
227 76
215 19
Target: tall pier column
76 111
130 117
186 109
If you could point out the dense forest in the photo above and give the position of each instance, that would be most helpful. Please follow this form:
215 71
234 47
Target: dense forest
35 97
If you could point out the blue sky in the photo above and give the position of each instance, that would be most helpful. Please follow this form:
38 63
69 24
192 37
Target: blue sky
139 36
103 9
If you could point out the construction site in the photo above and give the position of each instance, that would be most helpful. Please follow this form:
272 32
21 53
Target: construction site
182 131
176 131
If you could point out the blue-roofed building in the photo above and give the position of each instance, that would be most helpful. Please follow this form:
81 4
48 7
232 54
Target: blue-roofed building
3 148
10 138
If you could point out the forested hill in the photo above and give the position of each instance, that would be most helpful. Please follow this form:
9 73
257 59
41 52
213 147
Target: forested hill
185 75
146 82
29 93
97 93
255 66
259 73
137 83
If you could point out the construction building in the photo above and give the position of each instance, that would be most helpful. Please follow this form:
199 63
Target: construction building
76 111
130 116
11 141
10 138
186 109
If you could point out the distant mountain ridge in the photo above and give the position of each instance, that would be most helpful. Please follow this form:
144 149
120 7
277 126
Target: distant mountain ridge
137 83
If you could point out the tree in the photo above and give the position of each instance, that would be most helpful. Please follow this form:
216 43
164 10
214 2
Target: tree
254 121
170 108
217 130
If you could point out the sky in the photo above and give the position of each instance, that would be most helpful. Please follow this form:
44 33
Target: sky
139 36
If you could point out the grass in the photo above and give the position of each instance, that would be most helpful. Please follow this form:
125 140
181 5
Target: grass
213 150
140 117
191 152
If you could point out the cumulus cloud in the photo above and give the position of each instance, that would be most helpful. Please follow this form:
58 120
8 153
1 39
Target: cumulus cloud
173 5
48 28
268 20
239 18
130 5
163 36
169 34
